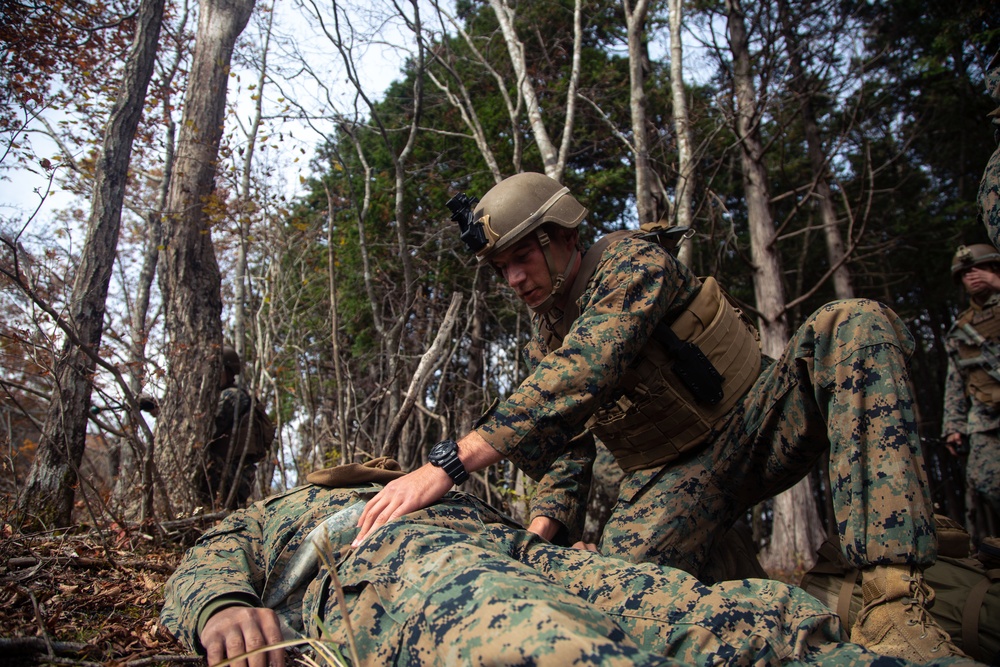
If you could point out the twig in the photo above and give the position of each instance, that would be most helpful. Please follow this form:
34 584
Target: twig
84 562
38 645
159 659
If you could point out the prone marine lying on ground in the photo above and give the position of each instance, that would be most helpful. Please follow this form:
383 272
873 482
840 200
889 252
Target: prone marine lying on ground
460 583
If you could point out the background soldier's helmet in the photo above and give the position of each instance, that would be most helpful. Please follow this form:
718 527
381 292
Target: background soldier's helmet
520 204
969 256
231 360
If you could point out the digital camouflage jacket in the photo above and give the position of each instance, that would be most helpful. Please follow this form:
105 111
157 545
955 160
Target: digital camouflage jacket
636 284
989 187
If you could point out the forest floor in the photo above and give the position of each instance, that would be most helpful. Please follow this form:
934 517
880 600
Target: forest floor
90 598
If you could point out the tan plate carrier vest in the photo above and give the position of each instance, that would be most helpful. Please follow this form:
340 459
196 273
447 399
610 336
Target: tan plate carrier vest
978 382
653 418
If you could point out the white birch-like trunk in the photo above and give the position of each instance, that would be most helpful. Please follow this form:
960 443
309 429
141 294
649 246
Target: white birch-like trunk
682 128
554 159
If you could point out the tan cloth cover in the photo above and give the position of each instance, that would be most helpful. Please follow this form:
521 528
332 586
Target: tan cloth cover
379 471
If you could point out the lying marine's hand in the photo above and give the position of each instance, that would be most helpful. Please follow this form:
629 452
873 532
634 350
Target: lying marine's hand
234 631
586 546
420 488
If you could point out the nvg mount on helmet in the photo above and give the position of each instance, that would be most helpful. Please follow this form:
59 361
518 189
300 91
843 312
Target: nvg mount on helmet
472 232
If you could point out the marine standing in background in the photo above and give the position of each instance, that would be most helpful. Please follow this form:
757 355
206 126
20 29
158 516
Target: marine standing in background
972 387
241 439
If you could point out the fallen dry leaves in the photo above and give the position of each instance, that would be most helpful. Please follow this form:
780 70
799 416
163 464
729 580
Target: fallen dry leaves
85 599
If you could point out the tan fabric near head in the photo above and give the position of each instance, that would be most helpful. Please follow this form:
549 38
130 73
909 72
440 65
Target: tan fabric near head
379 471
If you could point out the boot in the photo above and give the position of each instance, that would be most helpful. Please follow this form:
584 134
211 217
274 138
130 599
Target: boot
894 620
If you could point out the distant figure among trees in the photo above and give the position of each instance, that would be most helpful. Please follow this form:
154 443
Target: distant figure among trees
242 438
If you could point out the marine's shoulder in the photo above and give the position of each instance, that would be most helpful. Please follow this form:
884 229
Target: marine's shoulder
232 393
627 248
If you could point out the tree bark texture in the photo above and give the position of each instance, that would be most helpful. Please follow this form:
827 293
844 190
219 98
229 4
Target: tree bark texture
682 213
767 278
51 484
842 283
797 533
190 280
647 190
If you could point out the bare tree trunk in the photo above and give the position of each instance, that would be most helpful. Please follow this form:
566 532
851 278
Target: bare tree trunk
48 494
649 196
767 276
842 285
245 206
190 280
340 420
797 527
429 363
553 159
127 488
472 392
682 128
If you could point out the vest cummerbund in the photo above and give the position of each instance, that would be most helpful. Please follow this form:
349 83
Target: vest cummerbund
651 417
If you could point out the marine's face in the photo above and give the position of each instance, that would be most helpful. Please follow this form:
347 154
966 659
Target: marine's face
523 266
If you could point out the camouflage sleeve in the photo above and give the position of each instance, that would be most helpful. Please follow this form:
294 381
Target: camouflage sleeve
993 85
562 492
635 285
227 561
989 188
956 403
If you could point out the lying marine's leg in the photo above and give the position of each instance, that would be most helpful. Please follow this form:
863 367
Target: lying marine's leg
754 621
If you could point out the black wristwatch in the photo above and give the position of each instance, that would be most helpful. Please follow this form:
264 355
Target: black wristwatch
444 455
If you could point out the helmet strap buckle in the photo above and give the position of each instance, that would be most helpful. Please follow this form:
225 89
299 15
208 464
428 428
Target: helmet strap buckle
560 281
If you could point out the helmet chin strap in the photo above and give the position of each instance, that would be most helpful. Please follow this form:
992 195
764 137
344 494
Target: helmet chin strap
560 282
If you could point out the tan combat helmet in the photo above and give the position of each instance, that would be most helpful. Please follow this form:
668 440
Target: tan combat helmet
968 256
512 209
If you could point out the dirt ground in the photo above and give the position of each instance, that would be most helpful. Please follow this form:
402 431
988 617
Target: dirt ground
91 598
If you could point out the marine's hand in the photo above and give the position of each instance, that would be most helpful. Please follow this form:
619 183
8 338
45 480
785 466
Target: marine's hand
953 441
586 546
422 487
978 278
545 527
237 630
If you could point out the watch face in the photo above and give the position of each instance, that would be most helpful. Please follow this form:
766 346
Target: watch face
442 451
